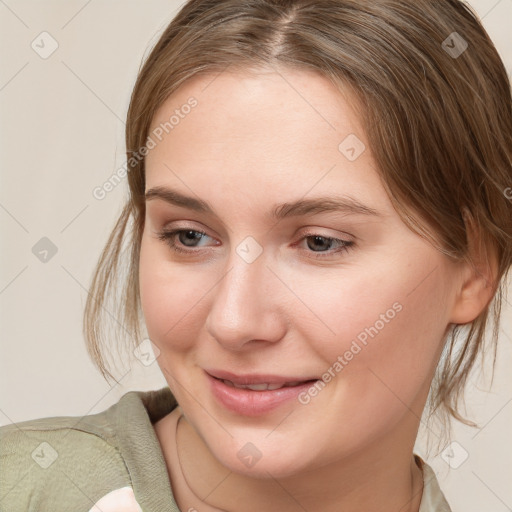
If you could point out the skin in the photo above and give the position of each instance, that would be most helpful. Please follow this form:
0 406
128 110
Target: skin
254 141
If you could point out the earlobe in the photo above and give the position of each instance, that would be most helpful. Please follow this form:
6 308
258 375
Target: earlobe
478 277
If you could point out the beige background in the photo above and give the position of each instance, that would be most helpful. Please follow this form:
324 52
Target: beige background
61 125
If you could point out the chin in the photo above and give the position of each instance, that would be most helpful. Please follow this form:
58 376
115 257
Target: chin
263 459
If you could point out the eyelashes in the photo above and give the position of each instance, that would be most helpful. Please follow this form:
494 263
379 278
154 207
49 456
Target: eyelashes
170 237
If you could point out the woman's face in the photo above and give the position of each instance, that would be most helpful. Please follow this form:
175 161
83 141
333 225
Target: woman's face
304 272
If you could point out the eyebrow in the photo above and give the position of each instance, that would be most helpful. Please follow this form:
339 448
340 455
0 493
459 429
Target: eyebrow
344 204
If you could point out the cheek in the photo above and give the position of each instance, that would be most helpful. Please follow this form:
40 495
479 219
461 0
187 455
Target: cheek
380 332
405 353
170 297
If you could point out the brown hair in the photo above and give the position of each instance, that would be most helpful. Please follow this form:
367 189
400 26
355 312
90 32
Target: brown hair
439 125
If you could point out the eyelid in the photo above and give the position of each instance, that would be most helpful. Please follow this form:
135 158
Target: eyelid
317 232
187 225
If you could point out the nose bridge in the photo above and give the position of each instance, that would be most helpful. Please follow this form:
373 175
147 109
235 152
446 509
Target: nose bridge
243 307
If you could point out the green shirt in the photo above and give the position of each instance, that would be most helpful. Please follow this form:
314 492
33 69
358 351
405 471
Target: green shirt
69 463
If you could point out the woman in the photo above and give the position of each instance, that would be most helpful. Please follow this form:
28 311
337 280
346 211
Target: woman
319 221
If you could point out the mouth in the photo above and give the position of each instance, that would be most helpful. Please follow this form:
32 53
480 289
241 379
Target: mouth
265 386
254 395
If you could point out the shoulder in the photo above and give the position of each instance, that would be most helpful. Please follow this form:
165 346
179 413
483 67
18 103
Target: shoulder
61 463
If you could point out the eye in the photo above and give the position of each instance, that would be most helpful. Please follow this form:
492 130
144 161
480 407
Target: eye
186 238
325 244
321 246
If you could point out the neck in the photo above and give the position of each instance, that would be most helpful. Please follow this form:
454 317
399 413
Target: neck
382 477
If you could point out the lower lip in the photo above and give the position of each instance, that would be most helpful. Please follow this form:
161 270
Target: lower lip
253 403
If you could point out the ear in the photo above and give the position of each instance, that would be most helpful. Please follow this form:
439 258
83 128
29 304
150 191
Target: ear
477 285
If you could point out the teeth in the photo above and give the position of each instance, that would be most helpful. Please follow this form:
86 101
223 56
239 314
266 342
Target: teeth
260 387
253 387
291 384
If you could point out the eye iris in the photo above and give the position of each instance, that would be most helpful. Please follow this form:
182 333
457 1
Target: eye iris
190 236
321 240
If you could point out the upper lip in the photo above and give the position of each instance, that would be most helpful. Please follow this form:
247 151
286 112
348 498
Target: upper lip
254 378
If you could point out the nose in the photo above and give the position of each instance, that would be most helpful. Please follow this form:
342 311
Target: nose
247 305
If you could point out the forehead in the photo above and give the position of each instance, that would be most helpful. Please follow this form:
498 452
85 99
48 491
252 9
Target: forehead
255 86
280 108
271 131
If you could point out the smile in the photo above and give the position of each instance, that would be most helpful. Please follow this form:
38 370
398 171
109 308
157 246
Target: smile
254 395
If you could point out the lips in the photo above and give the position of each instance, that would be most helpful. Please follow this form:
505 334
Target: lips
255 379
255 394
